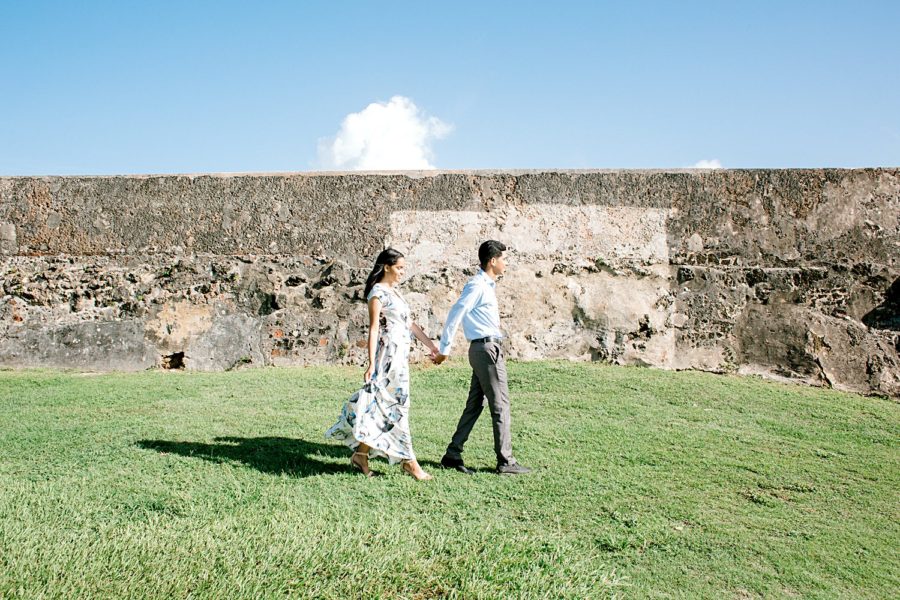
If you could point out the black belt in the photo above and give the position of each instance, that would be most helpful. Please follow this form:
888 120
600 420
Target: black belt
488 340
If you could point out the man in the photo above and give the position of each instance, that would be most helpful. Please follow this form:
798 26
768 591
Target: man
477 310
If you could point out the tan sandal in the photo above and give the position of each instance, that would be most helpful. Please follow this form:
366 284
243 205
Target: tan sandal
359 466
421 475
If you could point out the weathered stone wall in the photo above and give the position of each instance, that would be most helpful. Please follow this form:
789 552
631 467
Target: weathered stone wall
792 273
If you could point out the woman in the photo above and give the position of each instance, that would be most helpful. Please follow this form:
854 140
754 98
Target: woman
375 420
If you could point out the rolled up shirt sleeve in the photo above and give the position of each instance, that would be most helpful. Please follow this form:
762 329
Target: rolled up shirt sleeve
470 296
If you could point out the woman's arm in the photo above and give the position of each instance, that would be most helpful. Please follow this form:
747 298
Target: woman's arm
374 314
420 335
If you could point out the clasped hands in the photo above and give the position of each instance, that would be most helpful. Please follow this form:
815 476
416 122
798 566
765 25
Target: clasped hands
436 357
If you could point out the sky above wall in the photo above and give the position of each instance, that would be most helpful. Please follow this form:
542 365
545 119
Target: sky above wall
125 87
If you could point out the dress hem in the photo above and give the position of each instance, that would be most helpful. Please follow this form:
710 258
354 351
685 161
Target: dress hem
353 443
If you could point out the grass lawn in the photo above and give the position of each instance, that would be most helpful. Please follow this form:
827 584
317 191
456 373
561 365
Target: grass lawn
647 484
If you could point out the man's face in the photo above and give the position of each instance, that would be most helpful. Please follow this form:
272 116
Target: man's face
499 264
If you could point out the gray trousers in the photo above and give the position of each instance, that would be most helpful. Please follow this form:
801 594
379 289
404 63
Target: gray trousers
489 386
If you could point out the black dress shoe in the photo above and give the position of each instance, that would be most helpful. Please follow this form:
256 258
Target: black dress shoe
512 469
449 462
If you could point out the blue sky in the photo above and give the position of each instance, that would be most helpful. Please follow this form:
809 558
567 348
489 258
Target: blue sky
218 86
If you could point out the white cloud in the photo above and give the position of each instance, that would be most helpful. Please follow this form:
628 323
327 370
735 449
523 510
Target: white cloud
707 164
393 135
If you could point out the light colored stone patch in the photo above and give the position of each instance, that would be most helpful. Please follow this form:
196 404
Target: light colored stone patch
611 301
177 323
708 358
582 281
7 238
436 239
538 313
582 314
849 205
110 345
629 317
695 243
230 340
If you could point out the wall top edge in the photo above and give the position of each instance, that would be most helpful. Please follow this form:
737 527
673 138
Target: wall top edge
438 172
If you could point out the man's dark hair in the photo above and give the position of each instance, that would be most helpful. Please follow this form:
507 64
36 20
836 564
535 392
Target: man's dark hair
488 250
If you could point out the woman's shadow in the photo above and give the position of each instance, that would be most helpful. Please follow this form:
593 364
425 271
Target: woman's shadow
275 455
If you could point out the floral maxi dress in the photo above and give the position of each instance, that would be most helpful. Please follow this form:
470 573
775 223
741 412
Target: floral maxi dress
378 414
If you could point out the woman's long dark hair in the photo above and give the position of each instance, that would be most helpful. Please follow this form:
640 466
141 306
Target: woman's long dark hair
388 256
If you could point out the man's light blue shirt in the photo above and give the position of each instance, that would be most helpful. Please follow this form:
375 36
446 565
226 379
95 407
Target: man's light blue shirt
477 310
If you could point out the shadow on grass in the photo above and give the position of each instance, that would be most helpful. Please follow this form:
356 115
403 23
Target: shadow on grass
275 455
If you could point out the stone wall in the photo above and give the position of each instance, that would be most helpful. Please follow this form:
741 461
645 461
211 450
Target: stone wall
785 273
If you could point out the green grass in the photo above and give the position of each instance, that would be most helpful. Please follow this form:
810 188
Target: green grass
647 484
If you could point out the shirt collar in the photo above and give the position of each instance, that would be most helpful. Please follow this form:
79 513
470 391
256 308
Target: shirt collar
486 277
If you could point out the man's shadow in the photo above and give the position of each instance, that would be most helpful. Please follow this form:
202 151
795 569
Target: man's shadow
274 455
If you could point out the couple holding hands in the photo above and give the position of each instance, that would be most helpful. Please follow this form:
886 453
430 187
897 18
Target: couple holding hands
375 420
